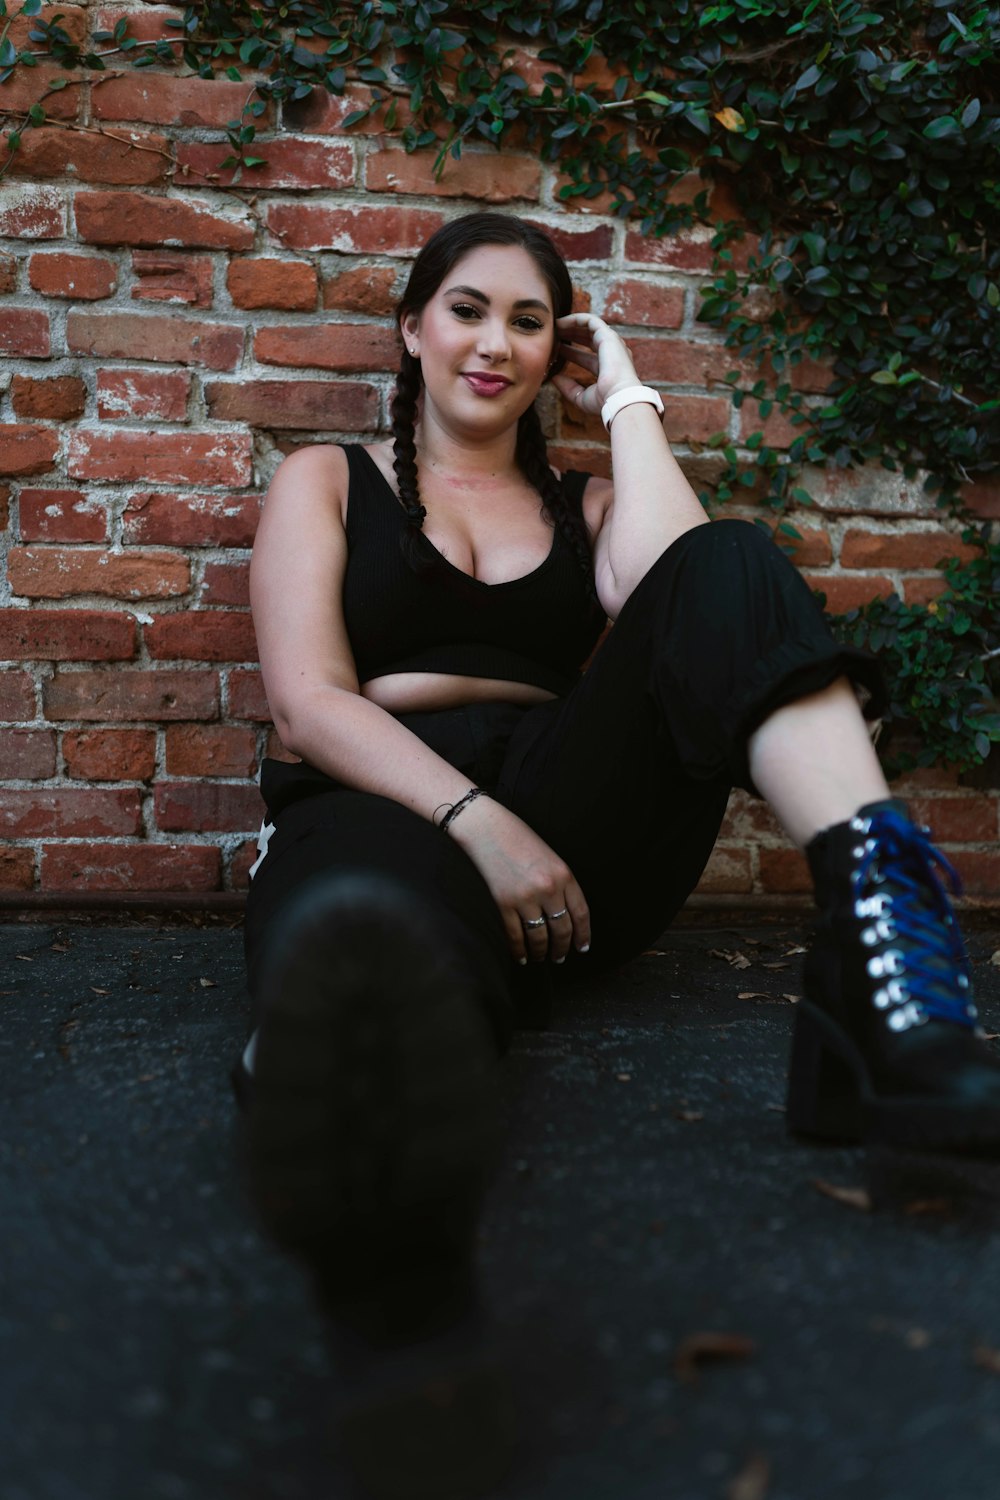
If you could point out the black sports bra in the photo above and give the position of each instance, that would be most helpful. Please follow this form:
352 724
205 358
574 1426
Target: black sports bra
408 609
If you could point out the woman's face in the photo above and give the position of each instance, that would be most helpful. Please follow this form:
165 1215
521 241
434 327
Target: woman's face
485 339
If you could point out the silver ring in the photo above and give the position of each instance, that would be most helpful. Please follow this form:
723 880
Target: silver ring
553 916
533 921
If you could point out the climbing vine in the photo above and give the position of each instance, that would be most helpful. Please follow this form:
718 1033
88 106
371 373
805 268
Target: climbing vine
858 147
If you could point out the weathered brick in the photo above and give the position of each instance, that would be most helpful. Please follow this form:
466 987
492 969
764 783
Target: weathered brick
118 696
906 549
66 635
8 275
686 250
365 230
28 86
958 820
595 242
68 812
221 807
126 158
28 212
240 863
484 175
685 418
172 340
211 750
17 695
160 99
4 507
146 25
109 754
226 583
27 754
321 113
983 497
784 871
681 361
334 405
62 572
143 219
849 592
728 872
26 450
811 549
247 699
979 870
57 399
923 590
24 331
331 346
570 454
202 635
130 867
192 520
73 21
62 516
642 304
289 163
141 394
209 458
868 490
17 869
84 278
172 276
289 285
779 428
364 289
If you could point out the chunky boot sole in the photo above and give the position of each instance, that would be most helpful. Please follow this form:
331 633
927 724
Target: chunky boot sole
372 1130
830 1096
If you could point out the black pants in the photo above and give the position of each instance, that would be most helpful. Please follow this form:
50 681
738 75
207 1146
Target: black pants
627 777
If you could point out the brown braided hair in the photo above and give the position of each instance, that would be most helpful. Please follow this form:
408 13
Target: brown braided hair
430 268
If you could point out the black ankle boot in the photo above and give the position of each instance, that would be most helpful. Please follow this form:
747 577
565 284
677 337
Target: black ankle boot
886 1046
372 1128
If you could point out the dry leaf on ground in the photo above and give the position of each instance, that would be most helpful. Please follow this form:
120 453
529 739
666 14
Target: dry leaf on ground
995 958
852 1197
730 956
208 984
753 995
775 966
689 1115
753 1480
95 991
700 1348
929 1206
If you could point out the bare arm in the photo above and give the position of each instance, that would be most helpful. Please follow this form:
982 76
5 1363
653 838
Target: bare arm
652 503
296 581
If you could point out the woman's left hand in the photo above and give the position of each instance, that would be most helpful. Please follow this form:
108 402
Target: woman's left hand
587 341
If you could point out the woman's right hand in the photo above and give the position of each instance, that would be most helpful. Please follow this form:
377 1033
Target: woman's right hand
527 879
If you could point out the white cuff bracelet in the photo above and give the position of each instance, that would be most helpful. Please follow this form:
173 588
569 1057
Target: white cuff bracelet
629 397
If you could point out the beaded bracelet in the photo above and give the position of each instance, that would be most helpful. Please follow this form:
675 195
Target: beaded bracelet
456 807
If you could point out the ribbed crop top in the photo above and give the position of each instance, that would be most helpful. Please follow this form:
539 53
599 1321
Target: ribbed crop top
433 617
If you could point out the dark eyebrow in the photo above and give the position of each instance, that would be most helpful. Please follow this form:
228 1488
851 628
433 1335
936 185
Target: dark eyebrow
470 291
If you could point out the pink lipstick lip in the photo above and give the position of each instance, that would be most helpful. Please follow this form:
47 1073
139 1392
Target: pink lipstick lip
485 384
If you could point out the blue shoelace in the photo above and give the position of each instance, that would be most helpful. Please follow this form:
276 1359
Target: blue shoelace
900 862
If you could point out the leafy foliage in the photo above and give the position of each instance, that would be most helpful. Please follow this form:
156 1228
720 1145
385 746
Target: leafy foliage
858 145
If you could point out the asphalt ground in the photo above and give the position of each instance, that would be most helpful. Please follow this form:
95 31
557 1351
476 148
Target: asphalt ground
691 1305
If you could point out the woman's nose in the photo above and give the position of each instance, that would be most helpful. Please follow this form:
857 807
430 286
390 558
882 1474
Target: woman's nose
493 341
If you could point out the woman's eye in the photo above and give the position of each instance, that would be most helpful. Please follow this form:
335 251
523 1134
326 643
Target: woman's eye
532 325
465 310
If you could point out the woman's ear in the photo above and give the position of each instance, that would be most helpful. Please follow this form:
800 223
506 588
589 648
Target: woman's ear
409 327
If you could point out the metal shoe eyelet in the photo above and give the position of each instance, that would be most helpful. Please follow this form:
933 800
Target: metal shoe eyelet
869 937
881 999
886 929
861 825
963 981
898 1020
897 991
858 851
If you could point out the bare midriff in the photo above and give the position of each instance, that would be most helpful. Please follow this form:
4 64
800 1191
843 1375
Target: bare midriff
414 692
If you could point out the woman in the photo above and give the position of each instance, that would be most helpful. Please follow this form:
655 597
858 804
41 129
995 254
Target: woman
470 809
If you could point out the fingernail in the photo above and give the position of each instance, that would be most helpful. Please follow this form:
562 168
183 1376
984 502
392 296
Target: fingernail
560 960
522 960
584 948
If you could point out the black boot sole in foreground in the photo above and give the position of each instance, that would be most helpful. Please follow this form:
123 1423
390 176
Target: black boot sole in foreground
831 1097
372 1129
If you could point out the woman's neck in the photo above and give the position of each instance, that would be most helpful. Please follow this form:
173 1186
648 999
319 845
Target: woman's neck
450 455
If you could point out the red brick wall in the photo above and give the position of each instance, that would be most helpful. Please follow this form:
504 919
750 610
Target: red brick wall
166 341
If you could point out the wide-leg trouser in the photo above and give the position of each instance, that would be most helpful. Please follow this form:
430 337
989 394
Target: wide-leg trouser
627 777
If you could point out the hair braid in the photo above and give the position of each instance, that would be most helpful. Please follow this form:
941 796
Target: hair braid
404 446
531 454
